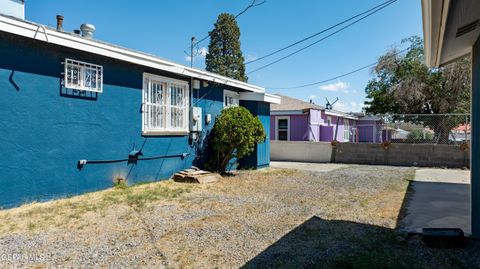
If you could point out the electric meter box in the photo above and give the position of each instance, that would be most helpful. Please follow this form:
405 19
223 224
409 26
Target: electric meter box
196 119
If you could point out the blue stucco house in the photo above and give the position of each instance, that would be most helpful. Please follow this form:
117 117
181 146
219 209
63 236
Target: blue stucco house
75 112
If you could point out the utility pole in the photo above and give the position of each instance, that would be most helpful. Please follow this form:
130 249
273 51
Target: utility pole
192 44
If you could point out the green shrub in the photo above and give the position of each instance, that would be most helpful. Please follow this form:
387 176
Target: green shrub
235 134
419 134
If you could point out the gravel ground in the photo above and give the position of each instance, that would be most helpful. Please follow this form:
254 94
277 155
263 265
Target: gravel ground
273 218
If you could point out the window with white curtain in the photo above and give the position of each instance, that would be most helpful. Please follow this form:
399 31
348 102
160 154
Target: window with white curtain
346 130
329 120
230 98
165 105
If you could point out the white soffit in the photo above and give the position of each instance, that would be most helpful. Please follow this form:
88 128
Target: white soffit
449 29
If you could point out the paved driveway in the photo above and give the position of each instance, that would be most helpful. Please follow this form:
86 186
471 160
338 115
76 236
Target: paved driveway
438 198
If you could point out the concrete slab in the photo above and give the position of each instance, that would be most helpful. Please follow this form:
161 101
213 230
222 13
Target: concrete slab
442 175
438 198
314 167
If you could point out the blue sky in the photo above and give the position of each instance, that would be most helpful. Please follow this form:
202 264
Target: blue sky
164 28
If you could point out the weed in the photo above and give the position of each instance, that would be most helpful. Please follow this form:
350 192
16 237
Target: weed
31 226
120 183
152 194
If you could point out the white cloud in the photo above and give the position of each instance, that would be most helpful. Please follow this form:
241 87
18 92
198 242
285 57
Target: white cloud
336 86
250 57
348 107
202 52
313 97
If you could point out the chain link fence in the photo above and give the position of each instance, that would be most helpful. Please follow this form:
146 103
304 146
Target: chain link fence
451 129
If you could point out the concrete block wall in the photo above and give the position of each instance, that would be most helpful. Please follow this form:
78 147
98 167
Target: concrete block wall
365 153
402 154
300 151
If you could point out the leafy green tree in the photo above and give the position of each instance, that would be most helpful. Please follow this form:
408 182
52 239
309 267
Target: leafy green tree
234 135
403 84
224 54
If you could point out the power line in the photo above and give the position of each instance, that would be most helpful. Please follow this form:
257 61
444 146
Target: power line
310 45
334 78
321 32
252 5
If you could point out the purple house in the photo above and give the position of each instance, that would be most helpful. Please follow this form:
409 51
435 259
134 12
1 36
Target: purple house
296 120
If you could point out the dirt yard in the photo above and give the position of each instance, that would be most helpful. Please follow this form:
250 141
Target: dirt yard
272 218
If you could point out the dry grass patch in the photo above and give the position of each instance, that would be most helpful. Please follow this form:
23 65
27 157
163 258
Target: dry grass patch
60 213
271 218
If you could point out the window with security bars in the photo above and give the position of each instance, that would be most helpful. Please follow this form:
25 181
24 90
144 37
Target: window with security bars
83 76
165 105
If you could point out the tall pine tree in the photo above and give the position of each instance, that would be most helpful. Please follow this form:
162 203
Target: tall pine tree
224 54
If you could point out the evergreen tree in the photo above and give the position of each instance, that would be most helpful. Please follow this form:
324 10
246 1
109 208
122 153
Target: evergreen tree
224 55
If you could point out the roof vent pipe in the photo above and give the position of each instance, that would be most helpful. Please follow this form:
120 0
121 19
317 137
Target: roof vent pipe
87 30
60 23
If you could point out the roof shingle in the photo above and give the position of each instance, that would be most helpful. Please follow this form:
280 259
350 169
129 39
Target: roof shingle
289 103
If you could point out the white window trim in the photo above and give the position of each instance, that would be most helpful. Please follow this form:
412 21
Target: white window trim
82 66
288 126
234 95
167 131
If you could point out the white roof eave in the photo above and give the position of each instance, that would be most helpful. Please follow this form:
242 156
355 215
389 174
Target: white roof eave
434 16
340 114
45 34
263 97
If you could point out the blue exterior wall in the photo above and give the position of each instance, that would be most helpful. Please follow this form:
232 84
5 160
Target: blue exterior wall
261 155
45 129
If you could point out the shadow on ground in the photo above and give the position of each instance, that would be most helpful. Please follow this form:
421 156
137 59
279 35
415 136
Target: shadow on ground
319 243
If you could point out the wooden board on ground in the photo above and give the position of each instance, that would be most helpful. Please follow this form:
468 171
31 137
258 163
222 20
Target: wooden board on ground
195 175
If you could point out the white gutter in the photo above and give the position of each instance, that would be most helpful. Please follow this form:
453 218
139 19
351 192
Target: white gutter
427 29
262 97
441 34
339 114
45 34
434 16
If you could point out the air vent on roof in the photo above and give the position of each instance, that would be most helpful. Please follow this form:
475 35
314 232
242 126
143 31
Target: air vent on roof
87 30
467 28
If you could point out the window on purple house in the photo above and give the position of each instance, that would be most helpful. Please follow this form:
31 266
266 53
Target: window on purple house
346 130
329 120
282 129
